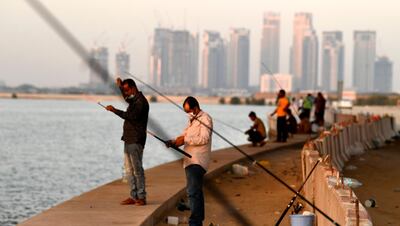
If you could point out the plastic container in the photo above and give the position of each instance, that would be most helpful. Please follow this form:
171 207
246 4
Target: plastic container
302 220
240 170
173 220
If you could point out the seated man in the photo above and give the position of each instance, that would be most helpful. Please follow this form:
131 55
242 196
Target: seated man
257 133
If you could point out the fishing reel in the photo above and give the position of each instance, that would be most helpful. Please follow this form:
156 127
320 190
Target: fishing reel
297 208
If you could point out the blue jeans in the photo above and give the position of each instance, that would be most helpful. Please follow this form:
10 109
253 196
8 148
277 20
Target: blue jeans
135 168
194 188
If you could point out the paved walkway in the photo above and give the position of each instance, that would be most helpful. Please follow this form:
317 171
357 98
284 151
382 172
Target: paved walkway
165 185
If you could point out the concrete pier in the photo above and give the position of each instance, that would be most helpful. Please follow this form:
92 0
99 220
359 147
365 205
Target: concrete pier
165 186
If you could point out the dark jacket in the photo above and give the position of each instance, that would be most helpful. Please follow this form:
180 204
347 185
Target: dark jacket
136 116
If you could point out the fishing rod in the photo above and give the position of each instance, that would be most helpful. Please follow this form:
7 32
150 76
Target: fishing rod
228 125
291 202
277 82
255 162
272 74
160 139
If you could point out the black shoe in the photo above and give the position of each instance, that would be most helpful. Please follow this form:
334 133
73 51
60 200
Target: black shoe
182 206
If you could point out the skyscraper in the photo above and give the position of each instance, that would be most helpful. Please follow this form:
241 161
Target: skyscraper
239 58
98 58
174 58
213 61
121 63
332 60
160 53
364 60
304 53
184 60
383 76
270 42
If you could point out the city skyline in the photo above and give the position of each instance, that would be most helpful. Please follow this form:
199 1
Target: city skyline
74 72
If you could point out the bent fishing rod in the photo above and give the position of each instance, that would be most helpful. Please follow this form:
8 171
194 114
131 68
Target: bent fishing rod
291 202
276 80
255 162
160 139
272 74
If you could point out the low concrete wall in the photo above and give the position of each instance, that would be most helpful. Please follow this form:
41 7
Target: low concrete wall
352 136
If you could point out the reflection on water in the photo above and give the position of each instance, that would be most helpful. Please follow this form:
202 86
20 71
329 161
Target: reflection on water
51 151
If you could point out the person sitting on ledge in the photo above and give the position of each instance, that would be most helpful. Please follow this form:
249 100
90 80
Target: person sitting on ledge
257 133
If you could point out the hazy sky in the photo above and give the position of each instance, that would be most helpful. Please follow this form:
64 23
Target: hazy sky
30 52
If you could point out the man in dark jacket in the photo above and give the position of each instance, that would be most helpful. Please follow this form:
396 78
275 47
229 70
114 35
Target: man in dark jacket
134 137
320 103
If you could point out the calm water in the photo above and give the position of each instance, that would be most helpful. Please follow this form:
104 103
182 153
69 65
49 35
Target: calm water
52 150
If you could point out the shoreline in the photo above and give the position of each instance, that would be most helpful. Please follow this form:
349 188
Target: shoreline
96 97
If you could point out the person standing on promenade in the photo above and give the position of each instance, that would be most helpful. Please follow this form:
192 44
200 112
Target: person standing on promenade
320 103
196 139
281 112
257 133
134 137
307 106
291 123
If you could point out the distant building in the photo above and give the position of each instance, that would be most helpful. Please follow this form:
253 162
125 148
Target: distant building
332 60
383 76
214 60
184 60
364 60
99 66
273 83
174 58
270 43
239 58
160 52
304 53
122 63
